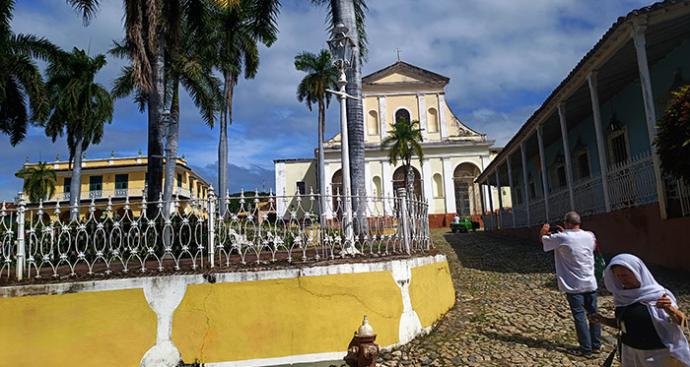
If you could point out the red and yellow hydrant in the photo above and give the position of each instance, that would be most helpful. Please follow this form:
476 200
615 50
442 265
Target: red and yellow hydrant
362 351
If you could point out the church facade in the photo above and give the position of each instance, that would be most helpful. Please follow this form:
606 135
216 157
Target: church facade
454 153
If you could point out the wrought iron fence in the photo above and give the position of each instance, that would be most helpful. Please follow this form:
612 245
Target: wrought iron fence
537 211
138 237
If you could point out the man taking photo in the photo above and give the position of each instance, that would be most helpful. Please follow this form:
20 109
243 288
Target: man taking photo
574 254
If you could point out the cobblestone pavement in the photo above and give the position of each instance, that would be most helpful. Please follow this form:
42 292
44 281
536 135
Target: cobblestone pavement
508 311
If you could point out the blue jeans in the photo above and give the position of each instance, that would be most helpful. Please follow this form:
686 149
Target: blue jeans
581 305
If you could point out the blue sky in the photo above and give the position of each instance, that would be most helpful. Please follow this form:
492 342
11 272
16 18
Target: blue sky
503 57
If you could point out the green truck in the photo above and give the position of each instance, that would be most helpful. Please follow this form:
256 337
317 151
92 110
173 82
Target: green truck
462 225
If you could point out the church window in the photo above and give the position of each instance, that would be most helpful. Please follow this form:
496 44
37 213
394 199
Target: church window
376 186
402 115
432 120
373 123
438 186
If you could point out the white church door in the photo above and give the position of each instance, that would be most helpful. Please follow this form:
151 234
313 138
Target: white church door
466 192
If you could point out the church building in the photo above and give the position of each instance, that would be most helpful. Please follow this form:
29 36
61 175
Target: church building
454 153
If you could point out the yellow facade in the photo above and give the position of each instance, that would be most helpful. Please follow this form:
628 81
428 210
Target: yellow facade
109 328
191 184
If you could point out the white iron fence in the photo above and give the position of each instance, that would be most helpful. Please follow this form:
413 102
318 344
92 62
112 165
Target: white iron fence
118 238
589 196
559 204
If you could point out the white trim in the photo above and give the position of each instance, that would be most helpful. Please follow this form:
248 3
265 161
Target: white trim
401 92
387 186
449 186
301 358
383 129
428 190
421 107
442 120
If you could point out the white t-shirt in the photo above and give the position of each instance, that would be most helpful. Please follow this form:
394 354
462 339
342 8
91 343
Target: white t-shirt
574 253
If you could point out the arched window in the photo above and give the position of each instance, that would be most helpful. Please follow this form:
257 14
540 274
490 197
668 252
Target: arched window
376 187
402 115
438 186
399 180
373 123
432 120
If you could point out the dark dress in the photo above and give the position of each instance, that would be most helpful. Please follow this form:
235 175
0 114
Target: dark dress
637 327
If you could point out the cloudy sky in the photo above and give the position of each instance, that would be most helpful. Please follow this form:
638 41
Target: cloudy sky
503 58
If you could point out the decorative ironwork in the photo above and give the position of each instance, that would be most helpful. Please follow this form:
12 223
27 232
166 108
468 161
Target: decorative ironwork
134 237
632 183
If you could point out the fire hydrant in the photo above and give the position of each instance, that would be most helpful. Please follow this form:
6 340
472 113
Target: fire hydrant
362 351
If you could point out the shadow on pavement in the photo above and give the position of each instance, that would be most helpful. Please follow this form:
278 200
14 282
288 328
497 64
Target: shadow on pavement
489 252
528 341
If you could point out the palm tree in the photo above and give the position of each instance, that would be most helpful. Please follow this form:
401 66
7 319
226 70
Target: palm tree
352 14
79 108
146 24
312 90
238 28
20 78
39 181
403 142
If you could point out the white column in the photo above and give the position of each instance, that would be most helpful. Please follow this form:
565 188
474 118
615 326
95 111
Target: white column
280 189
544 176
383 128
601 146
481 199
566 152
500 198
638 35
510 184
491 206
442 116
367 179
525 182
448 186
428 190
387 186
421 107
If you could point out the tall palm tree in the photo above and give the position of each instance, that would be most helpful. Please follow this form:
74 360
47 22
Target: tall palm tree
238 28
402 143
79 109
39 181
352 14
20 78
312 90
146 24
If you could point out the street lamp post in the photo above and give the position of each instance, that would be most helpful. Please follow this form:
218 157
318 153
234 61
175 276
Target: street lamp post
342 51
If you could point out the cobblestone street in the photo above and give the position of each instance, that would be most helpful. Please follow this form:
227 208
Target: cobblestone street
509 311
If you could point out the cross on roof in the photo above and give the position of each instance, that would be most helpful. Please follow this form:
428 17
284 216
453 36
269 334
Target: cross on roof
397 51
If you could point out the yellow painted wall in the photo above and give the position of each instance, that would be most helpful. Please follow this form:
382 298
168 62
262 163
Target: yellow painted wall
431 291
274 318
113 328
393 103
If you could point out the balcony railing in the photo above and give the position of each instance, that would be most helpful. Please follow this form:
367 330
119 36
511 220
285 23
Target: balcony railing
589 196
537 211
559 204
120 193
632 183
520 213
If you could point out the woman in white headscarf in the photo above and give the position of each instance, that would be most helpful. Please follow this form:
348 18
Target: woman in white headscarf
646 314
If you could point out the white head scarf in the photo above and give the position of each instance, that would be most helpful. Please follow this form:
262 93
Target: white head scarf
649 291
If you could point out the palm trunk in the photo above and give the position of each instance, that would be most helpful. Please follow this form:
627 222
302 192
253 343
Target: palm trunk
322 159
156 131
225 120
75 183
172 140
344 11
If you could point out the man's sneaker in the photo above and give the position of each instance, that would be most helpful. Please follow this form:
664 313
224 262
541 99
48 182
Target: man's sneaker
577 352
596 351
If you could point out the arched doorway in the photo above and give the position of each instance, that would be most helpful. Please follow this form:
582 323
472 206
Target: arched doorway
466 191
399 181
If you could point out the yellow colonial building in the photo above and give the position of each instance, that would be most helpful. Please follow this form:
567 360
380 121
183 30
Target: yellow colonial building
117 179
454 153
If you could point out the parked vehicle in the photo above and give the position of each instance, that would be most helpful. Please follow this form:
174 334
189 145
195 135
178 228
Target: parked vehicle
462 225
